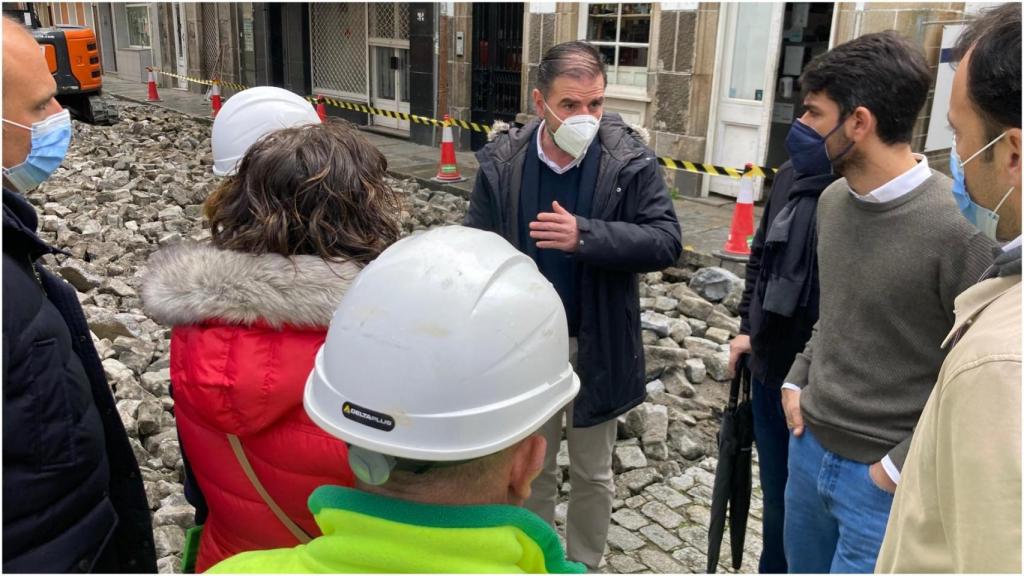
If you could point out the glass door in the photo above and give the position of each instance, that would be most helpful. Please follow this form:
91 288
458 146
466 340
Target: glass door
745 94
247 51
388 37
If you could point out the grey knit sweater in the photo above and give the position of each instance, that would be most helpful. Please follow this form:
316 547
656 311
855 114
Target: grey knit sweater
889 274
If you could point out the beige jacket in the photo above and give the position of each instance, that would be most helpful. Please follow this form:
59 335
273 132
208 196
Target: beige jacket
958 506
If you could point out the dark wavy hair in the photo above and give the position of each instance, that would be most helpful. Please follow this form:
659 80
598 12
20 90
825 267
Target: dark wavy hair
314 190
883 72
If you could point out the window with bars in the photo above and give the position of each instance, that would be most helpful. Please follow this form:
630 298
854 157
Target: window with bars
338 39
622 33
137 16
389 21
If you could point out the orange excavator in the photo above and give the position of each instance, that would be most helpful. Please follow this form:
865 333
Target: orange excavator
74 60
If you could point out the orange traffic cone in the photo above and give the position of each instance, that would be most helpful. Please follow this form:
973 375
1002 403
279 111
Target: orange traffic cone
449 170
215 98
321 109
153 96
742 230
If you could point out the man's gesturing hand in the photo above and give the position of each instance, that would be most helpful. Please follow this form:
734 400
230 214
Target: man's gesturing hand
555 229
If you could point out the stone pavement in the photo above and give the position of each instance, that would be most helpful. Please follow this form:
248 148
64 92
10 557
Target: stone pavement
704 221
170 98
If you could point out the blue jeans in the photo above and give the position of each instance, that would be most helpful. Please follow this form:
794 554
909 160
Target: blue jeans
835 514
771 437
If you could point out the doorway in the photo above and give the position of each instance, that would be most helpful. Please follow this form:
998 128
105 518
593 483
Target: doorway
806 33
247 48
388 39
497 64
108 52
757 94
180 44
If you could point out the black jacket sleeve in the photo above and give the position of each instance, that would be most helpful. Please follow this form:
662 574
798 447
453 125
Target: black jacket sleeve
651 242
777 197
481 213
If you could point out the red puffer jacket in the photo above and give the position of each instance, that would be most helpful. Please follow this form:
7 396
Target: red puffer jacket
245 331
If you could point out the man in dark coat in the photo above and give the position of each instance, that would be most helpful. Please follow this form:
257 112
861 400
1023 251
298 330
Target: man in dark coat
580 192
73 495
778 311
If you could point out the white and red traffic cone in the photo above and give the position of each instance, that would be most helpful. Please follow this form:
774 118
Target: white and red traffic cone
741 231
215 98
153 95
448 171
321 108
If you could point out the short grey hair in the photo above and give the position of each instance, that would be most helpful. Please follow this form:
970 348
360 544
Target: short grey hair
577 59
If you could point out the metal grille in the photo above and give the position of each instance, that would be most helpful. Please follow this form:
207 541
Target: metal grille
497 64
403 21
338 38
209 62
390 21
383 23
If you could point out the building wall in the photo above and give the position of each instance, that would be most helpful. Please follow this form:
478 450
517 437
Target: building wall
680 66
456 79
163 42
685 63
682 62
63 13
423 64
547 24
213 43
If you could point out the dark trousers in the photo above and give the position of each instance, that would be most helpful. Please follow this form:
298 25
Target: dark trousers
771 438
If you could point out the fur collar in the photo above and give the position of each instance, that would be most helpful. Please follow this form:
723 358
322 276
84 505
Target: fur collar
188 283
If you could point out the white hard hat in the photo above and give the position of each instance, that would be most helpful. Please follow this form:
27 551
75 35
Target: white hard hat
449 346
248 116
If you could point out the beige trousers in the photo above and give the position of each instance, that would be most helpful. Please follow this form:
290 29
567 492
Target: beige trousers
590 474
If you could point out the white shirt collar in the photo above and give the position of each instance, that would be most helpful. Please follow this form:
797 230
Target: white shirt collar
1011 244
550 163
899 185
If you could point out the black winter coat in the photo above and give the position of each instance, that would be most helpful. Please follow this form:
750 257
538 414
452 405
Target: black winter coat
73 499
775 340
632 229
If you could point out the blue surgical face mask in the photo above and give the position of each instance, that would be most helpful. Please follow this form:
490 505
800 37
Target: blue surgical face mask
983 219
50 140
807 149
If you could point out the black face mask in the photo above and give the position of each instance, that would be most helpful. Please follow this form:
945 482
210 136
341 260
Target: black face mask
807 150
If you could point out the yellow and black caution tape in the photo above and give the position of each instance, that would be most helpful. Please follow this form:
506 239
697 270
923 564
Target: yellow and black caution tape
400 115
670 163
231 85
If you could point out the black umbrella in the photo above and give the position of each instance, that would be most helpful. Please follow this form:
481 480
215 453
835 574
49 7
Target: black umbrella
732 477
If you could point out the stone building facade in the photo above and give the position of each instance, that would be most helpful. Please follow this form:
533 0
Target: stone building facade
711 82
721 80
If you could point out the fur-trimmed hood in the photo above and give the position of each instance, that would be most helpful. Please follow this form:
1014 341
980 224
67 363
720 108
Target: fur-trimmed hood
189 283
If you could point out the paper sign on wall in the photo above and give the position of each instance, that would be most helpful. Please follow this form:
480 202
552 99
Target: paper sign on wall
782 113
793 62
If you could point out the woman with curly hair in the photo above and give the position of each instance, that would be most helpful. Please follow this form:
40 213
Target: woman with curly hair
308 208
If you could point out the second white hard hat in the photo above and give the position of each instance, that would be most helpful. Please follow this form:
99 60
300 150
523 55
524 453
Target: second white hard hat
248 116
449 346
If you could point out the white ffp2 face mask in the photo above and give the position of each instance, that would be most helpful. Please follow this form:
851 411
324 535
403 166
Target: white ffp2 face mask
576 132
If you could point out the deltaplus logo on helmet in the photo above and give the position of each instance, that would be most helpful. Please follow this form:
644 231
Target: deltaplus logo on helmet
368 417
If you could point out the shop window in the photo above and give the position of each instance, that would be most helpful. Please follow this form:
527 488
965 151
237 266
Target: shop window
137 16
